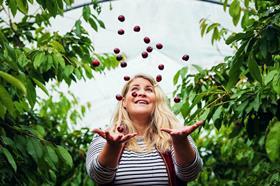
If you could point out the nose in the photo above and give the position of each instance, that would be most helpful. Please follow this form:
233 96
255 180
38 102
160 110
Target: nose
141 92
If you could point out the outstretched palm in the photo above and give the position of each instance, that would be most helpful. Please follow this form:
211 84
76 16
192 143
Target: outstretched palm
178 134
116 139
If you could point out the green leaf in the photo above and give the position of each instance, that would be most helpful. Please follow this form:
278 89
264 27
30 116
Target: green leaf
31 93
198 68
39 59
10 158
52 154
101 24
276 84
22 6
269 77
176 77
14 81
211 27
78 27
204 114
203 26
34 148
235 11
57 46
217 113
6 100
86 13
68 70
254 69
11 52
40 85
2 111
225 5
65 156
272 143
13 6
93 24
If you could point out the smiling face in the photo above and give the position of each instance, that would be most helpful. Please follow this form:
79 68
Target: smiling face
140 98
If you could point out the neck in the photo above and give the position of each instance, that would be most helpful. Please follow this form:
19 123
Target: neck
141 124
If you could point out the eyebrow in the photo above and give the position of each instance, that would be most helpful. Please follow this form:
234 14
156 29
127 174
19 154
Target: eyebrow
137 85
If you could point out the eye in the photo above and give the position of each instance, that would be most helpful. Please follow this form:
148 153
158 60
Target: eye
134 88
149 90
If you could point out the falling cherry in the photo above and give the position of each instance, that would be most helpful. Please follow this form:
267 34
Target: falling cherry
119 57
123 64
134 94
126 78
160 66
121 31
147 40
121 18
136 28
120 129
185 57
145 54
177 99
159 46
158 78
119 97
116 50
95 63
149 49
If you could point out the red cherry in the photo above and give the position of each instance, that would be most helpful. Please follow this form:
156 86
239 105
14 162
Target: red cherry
147 40
119 57
145 54
159 78
161 66
159 46
121 18
95 63
119 97
116 50
121 31
126 78
120 129
185 57
177 99
149 49
123 64
136 28
134 94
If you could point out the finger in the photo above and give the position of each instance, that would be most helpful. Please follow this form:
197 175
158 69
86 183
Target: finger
128 137
169 131
195 126
119 137
108 136
99 132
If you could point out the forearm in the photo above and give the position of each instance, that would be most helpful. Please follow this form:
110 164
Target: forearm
184 152
110 155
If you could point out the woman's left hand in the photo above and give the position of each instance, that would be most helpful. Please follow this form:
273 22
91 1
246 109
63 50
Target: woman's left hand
182 134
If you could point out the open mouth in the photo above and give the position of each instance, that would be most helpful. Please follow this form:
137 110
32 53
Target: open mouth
143 102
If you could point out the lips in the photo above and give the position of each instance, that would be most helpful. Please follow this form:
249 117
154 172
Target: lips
141 101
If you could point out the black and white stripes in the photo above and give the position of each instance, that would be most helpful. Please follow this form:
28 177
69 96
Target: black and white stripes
137 168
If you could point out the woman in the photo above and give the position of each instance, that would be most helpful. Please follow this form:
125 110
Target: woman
145 145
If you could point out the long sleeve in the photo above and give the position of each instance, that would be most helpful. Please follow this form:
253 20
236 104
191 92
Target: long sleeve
98 173
190 172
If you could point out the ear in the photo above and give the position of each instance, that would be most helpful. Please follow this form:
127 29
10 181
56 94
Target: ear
124 103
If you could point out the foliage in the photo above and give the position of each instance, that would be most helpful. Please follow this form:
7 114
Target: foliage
239 99
37 146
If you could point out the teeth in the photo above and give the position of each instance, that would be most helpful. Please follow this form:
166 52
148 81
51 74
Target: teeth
141 102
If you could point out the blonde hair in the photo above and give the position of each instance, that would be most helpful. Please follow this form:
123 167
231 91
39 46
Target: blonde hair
162 117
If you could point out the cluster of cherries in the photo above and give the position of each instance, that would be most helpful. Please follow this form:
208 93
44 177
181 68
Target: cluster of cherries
145 54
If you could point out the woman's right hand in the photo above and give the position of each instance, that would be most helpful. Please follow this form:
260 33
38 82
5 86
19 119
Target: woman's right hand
114 139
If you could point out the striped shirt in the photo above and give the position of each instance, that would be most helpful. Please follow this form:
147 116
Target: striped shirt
138 168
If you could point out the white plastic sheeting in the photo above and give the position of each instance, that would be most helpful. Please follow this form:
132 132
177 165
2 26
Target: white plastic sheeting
174 23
